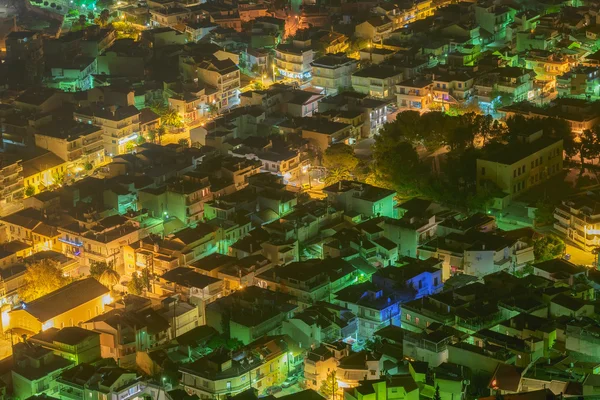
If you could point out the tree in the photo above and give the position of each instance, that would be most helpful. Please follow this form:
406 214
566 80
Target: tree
152 136
82 19
97 268
329 386
135 285
88 166
90 16
548 247
340 155
588 146
160 133
437 395
58 178
129 147
103 18
109 278
29 190
544 212
183 142
41 278
171 118
141 139
335 175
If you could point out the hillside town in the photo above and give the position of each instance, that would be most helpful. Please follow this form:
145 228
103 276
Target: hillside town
299 200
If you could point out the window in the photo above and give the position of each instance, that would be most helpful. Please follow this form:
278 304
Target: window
228 385
408 317
482 170
435 281
417 321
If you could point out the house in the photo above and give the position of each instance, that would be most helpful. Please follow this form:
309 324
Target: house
513 169
322 133
317 364
310 281
423 276
577 218
125 331
431 345
377 81
361 198
80 145
414 93
120 125
71 343
260 364
403 386
67 306
35 370
321 323
252 312
43 172
333 72
11 173
356 367
294 61
196 288
375 28
374 307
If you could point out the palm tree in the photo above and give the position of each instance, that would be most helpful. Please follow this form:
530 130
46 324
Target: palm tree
172 118
110 278
161 131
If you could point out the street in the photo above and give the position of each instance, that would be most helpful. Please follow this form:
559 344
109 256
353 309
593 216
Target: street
290 390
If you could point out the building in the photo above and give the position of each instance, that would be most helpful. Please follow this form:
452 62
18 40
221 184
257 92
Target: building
120 125
577 217
24 51
375 307
514 169
403 386
43 172
377 81
375 28
414 93
35 370
362 198
11 175
322 133
71 343
80 145
252 313
333 72
260 364
294 62
67 306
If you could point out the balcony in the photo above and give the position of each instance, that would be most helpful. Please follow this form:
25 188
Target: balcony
93 150
70 394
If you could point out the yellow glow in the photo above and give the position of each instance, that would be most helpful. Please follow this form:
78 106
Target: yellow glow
5 320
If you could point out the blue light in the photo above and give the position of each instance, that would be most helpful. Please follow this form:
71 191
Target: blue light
71 242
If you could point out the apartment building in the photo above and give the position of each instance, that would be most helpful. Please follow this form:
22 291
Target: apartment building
377 81
11 177
80 145
294 62
224 76
375 28
578 218
371 201
120 125
514 169
415 94
333 72
260 364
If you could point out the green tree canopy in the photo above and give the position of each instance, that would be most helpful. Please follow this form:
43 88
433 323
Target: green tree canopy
135 285
329 386
340 155
548 247
41 278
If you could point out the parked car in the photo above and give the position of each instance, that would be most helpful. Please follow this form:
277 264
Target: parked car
291 380
273 389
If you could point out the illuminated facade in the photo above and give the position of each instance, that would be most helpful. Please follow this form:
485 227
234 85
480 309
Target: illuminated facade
120 125
67 306
294 62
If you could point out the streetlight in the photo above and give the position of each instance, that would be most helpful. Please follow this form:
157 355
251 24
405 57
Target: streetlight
263 79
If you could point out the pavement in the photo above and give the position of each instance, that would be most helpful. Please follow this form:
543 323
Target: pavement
290 390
